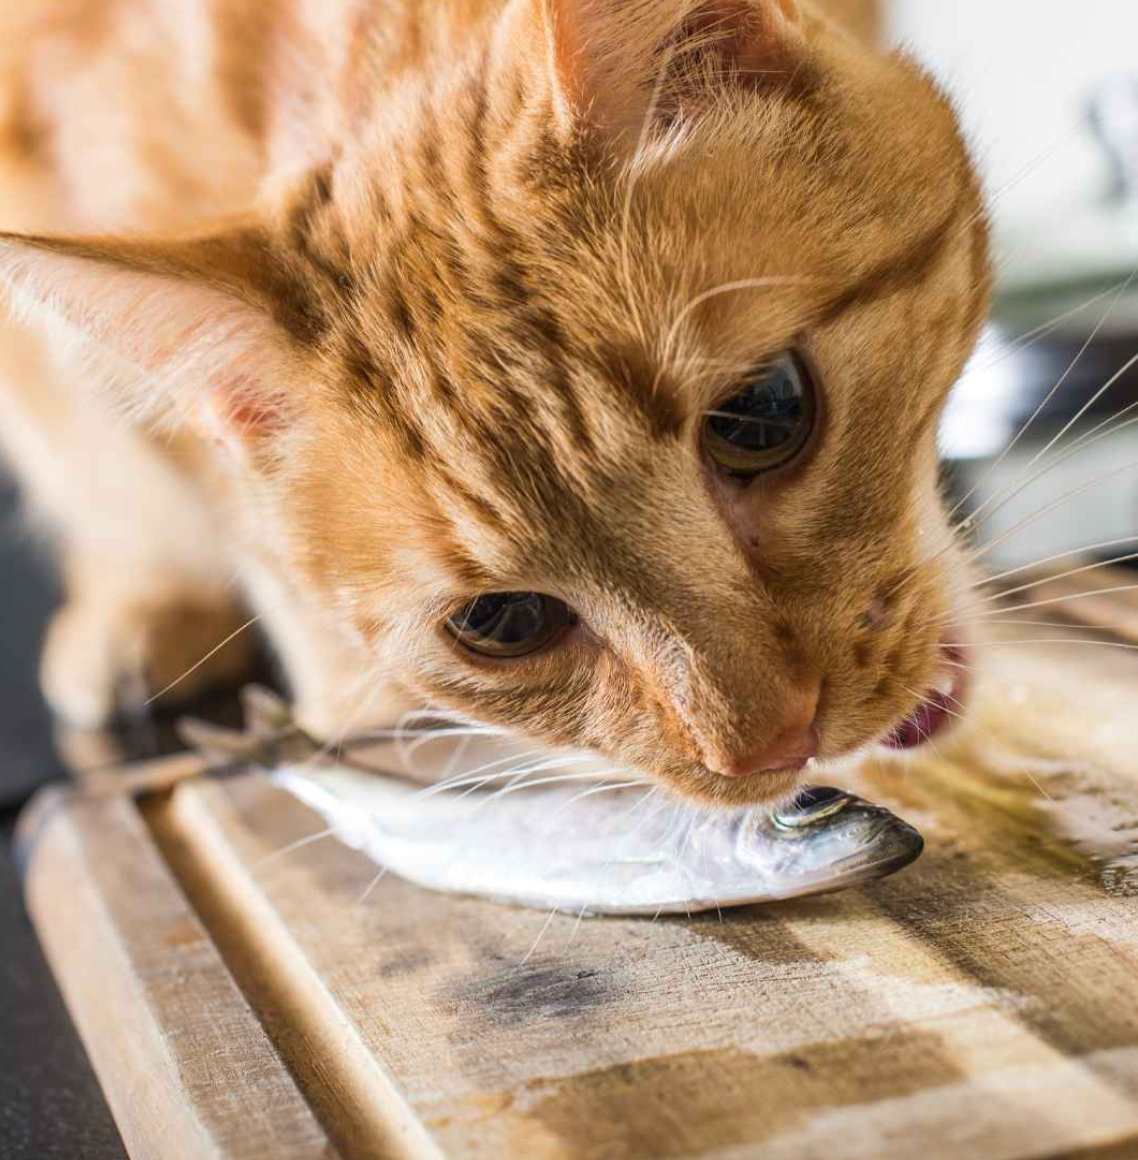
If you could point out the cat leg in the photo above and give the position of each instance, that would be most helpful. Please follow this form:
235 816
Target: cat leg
337 686
148 583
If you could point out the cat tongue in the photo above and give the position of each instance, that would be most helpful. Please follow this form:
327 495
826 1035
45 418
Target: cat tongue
928 719
939 707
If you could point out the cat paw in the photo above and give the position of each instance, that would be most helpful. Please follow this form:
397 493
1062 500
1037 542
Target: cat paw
105 657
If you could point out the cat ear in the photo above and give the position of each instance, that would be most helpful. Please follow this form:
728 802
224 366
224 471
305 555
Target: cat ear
616 62
183 331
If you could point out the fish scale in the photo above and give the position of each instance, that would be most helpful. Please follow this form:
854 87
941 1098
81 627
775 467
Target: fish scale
550 847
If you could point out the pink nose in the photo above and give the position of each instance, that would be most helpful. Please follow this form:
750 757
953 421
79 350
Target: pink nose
790 748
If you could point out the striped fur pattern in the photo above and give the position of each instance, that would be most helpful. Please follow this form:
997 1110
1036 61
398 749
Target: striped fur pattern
425 300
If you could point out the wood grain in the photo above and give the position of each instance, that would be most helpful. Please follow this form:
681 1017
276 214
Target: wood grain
979 1004
188 1071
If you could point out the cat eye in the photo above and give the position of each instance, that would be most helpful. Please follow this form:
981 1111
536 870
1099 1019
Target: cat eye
765 424
510 624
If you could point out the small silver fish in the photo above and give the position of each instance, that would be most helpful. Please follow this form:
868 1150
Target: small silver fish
601 850
552 847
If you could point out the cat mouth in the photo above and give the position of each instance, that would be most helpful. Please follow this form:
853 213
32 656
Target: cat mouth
939 707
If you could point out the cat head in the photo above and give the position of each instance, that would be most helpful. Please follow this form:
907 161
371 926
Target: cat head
593 380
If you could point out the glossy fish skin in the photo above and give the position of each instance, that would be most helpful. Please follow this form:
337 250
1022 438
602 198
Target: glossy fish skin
617 853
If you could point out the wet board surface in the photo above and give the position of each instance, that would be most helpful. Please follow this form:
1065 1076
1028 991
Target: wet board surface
981 1003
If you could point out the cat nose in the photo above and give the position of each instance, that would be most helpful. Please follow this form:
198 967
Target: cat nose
792 746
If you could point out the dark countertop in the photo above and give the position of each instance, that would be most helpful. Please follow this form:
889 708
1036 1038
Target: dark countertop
51 1107
50 1102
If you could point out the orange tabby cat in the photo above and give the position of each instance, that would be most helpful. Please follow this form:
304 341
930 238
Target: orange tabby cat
574 365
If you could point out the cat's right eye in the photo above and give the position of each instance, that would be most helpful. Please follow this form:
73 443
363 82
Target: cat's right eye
510 624
766 423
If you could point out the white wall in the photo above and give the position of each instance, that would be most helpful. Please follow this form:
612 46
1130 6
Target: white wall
1022 71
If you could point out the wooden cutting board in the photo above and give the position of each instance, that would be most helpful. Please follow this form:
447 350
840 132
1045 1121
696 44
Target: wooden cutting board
238 1002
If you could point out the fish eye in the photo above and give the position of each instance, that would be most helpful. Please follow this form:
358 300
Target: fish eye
766 422
510 624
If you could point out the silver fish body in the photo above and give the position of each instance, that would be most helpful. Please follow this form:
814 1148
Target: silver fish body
617 853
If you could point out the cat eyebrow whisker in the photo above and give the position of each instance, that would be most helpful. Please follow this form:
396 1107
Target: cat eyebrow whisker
1025 171
740 284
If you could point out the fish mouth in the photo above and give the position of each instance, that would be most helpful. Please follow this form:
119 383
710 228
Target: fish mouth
940 706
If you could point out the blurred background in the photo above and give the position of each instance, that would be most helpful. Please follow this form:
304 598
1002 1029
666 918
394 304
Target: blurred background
1048 94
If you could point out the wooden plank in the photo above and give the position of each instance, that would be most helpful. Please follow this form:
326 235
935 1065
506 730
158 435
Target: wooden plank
345 1080
981 1003
188 1072
845 1026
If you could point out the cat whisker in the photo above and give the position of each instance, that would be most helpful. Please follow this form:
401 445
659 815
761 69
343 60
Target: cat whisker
960 665
1079 445
1059 556
576 928
925 735
975 724
520 779
1013 621
1014 442
1003 595
1047 509
734 287
1058 640
366 893
336 740
1029 338
299 844
983 617
476 779
414 740
640 803
603 788
476 775
540 935
1025 172
198 664
558 778
479 778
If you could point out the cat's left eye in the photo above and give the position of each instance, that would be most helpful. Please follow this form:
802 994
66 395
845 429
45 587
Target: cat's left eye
766 423
510 624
